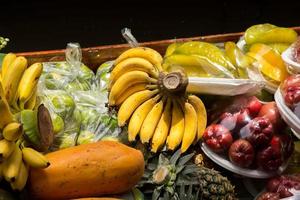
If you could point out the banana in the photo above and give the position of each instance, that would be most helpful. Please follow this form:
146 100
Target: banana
139 116
7 60
133 89
28 83
34 158
150 122
190 126
12 131
5 113
125 81
30 104
142 52
12 78
177 127
21 179
201 114
132 64
6 149
130 91
131 103
12 165
162 128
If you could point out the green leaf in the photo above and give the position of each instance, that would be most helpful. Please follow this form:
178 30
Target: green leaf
183 160
175 157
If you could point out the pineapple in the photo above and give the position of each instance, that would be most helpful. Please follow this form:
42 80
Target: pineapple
178 178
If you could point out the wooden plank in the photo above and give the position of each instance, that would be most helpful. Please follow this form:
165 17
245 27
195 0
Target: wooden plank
94 56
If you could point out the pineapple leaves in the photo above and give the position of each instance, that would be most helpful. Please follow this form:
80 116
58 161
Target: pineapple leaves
175 157
182 161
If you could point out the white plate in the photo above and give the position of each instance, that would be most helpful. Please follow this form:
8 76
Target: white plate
223 86
292 66
287 114
251 173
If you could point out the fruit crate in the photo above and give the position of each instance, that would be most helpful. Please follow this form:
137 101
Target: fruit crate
95 56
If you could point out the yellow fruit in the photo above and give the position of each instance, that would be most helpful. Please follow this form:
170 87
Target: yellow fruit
150 122
12 131
21 179
6 149
28 83
142 52
177 127
201 114
139 116
162 128
126 81
190 126
7 60
34 158
132 64
131 104
12 78
133 89
12 165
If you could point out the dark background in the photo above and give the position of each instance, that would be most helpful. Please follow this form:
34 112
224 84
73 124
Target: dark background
43 25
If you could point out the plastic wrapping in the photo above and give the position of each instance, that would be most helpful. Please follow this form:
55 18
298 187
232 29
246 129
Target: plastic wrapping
76 99
249 138
223 86
287 56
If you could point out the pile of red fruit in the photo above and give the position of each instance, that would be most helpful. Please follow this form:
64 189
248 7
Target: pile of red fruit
251 135
280 187
296 51
291 93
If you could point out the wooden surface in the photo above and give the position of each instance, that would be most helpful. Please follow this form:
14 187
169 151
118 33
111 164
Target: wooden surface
94 56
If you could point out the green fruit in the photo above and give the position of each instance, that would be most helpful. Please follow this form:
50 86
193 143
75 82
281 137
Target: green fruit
58 123
207 50
66 140
268 33
85 137
86 74
63 103
30 126
171 48
279 47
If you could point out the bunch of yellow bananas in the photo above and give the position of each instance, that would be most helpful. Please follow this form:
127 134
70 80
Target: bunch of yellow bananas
19 82
17 89
153 110
15 160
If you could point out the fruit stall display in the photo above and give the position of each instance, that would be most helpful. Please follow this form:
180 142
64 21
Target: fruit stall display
213 117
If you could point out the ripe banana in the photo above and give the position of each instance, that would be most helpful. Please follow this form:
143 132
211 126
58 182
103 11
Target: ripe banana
12 165
6 149
177 127
28 83
136 88
30 104
12 131
5 113
132 64
201 114
190 126
125 81
139 116
150 122
12 78
131 103
34 158
142 52
162 128
7 60
21 179
133 89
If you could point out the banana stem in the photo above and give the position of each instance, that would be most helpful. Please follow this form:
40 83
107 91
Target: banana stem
174 83
151 87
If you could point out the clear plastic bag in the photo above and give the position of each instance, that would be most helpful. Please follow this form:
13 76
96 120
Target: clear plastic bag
248 137
76 99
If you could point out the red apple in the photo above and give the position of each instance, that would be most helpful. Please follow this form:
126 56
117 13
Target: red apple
217 137
241 153
271 112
